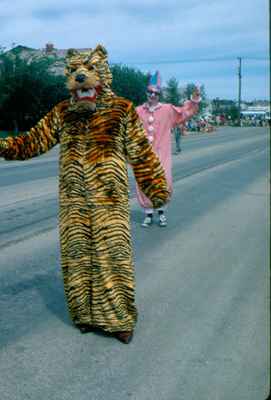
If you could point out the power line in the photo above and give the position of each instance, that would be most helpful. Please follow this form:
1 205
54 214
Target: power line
239 89
191 60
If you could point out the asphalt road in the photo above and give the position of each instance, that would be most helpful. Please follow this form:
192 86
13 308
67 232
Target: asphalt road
202 285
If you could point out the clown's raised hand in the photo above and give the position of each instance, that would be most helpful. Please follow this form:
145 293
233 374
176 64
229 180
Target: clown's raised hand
195 97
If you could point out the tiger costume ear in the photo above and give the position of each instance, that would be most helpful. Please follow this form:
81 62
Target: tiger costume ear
73 60
101 50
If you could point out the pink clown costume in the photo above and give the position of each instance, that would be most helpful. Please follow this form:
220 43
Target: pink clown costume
158 122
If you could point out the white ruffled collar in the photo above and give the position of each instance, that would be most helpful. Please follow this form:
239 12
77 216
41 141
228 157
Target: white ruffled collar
152 108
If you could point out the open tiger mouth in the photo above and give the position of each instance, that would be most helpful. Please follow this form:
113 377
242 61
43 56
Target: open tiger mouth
86 94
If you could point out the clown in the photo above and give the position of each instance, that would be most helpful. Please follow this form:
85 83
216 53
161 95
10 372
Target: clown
158 120
98 134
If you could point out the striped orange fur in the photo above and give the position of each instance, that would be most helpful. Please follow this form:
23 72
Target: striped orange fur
95 146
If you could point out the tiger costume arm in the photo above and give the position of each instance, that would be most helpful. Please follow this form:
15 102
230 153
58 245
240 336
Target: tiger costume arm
41 138
146 166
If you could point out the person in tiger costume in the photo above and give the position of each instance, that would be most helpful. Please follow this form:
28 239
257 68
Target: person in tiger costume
98 134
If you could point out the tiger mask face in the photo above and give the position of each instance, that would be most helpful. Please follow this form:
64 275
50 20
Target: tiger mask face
88 74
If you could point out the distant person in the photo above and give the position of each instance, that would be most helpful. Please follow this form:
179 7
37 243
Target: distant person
178 132
158 120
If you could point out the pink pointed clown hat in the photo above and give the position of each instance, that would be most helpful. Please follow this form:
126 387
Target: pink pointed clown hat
154 82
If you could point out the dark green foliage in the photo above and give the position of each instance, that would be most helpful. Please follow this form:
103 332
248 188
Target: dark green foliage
172 94
129 83
28 90
233 112
228 108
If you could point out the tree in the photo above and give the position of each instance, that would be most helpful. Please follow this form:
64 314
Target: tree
27 91
203 104
225 107
233 113
129 83
171 93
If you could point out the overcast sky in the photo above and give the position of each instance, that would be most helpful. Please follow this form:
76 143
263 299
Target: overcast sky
192 40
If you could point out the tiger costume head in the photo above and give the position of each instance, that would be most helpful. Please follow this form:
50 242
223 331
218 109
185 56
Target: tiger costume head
88 76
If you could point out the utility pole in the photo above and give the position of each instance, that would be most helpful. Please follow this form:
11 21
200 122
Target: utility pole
239 90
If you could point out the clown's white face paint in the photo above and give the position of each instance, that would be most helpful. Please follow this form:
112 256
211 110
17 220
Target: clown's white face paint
152 97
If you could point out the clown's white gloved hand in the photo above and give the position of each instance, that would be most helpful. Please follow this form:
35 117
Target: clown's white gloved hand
195 97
